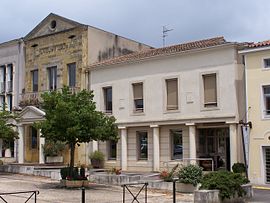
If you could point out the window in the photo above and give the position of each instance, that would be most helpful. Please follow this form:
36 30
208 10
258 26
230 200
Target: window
9 102
266 63
2 102
34 137
210 90
138 96
142 145
34 74
172 94
52 77
72 74
107 92
177 144
112 146
2 79
266 95
9 77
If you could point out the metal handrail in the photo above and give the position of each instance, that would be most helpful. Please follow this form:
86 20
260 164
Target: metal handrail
33 193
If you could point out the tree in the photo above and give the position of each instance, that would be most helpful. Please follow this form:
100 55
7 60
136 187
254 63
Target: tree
7 131
72 118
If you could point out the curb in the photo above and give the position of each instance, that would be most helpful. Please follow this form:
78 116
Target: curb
261 187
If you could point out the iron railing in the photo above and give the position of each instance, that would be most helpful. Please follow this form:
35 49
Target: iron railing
31 193
135 196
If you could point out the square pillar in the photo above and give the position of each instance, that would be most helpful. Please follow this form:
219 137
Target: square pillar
156 147
41 151
123 132
21 144
192 142
233 144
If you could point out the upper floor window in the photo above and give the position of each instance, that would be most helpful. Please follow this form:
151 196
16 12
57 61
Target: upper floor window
34 74
172 94
107 92
2 78
9 77
266 95
138 97
2 102
9 102
210 90
142 145
72 74
52 78
266 63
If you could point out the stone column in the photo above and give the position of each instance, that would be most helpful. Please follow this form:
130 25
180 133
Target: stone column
21 144
233 144
123 148
192 142
156 147
41 151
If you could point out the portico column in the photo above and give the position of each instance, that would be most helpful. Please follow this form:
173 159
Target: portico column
21 144
123 148
41 151
233 144
156 147
192 142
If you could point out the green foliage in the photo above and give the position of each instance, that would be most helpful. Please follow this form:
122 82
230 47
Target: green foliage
168 176
64 172
7 131
72 173
52 148
239 168
72 118
228 183
97 155
190 174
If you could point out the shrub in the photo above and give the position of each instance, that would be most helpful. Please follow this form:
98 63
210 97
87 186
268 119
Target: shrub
228 183
97 155
52 148
239 168
190 174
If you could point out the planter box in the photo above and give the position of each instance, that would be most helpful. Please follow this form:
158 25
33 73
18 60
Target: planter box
74 183
185 188
212 196
54 159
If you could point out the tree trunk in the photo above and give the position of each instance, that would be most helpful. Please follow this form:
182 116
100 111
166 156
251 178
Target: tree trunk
72 152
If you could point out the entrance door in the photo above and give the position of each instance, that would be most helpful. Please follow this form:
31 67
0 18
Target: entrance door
213 143
32 145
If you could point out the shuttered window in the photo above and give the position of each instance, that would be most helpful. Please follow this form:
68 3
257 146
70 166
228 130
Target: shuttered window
210 90
34 80
266 92
172 94
267 164
138 97
107 92
72 74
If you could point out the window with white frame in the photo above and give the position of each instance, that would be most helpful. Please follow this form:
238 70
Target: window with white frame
266 98
142 145
9 77
52 78
138 97
107 95
210 90
72 74
176 144
266 63
2 79
172 93
112 148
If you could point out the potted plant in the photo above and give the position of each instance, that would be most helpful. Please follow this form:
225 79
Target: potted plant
189 177
239 168
97 159
53 151
73 178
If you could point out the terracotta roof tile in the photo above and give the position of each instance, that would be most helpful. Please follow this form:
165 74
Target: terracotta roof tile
260 44
162 51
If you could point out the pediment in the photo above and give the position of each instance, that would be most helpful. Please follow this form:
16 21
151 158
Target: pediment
52 24
31 113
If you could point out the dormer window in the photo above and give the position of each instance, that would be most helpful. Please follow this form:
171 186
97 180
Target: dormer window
53 25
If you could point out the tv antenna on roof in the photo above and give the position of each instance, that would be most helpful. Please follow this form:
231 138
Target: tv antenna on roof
165 31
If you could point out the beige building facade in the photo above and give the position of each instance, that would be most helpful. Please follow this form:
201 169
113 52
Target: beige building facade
257 66
57 53
178 104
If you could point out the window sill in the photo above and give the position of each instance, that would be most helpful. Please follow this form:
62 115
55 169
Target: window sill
142 161
266 118
111 161
265 69
171 111
134 113
210 108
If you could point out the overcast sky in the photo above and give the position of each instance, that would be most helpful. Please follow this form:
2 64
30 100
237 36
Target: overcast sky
142 20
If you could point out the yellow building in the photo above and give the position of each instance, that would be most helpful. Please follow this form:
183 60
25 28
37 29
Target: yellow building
257 63
57 53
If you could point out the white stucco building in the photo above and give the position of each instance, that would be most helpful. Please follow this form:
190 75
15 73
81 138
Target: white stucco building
11 84
173 104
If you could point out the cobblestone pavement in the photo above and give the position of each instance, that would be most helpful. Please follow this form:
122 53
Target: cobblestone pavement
51 191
